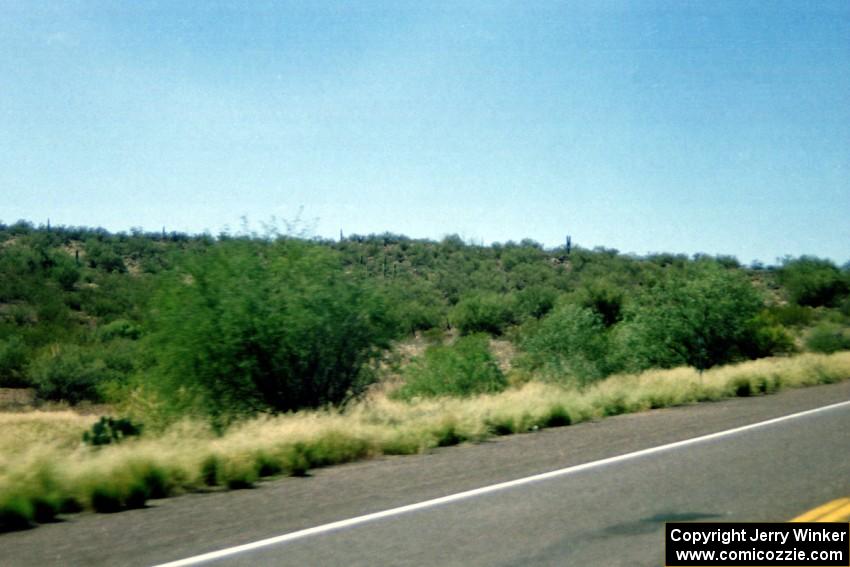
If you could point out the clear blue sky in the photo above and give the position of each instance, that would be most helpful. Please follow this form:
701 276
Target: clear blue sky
716 127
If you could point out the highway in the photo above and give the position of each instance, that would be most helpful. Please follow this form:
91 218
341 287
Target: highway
586 512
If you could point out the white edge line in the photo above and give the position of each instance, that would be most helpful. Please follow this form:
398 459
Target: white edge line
325 528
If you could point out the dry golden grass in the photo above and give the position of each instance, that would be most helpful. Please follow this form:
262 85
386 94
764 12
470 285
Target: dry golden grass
20 432
45 469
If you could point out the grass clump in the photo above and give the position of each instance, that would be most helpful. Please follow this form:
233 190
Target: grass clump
111 498
558 417
37 498
131 482
449 434
16 512
240 473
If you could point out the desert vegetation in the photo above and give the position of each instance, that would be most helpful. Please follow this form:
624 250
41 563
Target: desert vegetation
159 363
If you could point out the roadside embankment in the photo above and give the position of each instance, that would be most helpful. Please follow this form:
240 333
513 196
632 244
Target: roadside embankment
46 470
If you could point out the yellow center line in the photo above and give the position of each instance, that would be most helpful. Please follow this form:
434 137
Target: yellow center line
825 511
834 511
841 514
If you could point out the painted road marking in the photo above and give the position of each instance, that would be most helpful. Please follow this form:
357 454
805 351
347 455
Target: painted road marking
834 511
341 524
840 514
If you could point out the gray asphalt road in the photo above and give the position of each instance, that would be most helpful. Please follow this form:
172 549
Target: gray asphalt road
610 515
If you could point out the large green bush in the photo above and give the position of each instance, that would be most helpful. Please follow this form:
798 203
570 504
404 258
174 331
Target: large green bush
765 336
699 316
104 257
417 305
464 368
252 326
814 281
68 372
535 301
571 344
792 315
844 308
828 338
13 360
604 298
485 312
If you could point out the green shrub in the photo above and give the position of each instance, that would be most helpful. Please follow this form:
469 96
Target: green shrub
571 344
792 315
605 299
535 301
13 359
119 329
765 337
484 312
111 430
68 372
254 326
828 338
417 305
845 308
104 257
66 275
700 316
813 281
465 368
